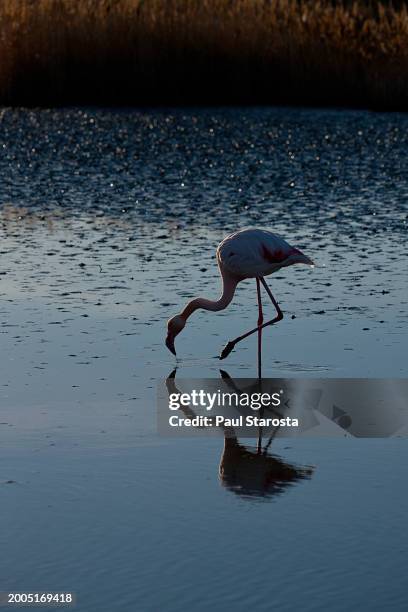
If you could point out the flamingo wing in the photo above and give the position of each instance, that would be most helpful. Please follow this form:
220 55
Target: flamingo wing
253 252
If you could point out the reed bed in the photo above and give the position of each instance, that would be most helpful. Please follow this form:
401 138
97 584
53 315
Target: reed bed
135 52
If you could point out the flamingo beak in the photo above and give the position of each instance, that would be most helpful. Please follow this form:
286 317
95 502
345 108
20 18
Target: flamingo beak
170 343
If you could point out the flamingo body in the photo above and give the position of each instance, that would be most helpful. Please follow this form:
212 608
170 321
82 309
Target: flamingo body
252 253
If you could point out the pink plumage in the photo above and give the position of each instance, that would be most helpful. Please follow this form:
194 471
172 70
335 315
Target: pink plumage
252 253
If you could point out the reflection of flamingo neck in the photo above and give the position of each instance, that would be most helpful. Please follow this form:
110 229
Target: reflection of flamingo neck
229 284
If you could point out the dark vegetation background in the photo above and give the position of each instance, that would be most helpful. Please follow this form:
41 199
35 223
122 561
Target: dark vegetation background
139 52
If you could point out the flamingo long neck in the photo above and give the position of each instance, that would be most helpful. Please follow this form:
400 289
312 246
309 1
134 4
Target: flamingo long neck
229 284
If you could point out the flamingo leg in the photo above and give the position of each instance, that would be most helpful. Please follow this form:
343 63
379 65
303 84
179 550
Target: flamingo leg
231 344
260 322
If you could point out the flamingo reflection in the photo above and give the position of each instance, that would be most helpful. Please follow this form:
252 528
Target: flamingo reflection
248 472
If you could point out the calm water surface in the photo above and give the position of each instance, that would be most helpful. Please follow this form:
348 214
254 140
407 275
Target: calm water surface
109 223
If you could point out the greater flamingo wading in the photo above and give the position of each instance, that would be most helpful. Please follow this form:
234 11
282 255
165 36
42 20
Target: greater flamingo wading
248 253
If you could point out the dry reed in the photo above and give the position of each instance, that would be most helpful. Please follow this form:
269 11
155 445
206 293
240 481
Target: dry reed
203 51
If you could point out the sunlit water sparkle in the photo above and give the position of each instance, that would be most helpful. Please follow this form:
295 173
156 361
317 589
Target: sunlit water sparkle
109 224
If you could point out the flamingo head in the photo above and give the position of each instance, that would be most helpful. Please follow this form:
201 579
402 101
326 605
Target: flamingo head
174 326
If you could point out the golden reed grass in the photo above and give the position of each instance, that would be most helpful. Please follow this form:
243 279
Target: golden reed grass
203 51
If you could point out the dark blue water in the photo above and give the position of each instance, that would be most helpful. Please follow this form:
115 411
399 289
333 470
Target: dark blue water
109 223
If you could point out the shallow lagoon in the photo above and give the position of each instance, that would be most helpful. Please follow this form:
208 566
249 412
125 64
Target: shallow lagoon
109 224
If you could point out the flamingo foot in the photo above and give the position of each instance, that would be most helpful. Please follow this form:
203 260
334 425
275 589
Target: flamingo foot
225 375
227 349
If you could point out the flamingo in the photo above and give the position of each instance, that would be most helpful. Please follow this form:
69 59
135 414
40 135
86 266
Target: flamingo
248 253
